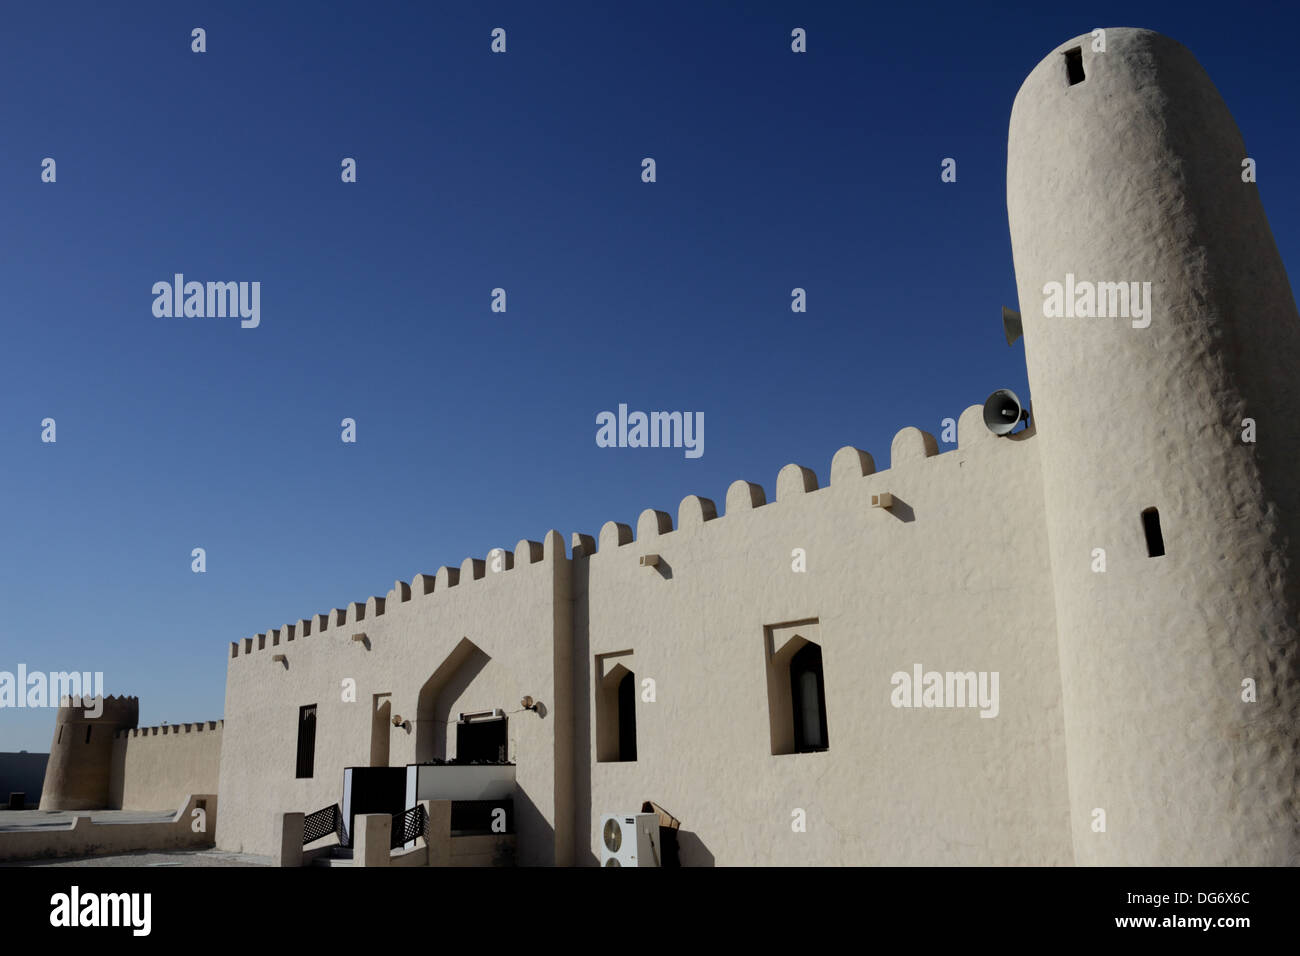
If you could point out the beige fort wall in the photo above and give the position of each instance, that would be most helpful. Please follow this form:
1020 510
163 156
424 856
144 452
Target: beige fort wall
463 640
955 577
190 828
156 768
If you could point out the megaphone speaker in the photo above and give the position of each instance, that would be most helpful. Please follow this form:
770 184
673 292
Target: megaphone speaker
1003 412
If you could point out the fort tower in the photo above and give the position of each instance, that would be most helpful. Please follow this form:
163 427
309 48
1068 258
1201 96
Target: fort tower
1124 166
79 772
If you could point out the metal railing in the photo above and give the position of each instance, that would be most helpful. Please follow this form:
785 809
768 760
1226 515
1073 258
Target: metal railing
324 822
408 825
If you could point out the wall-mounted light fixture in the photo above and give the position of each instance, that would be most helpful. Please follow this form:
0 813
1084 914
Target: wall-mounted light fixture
649 560
278 659
882 500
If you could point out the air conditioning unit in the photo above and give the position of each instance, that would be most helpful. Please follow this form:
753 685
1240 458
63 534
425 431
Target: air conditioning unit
629 839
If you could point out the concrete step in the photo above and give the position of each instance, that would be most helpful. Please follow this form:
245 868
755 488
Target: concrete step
338 856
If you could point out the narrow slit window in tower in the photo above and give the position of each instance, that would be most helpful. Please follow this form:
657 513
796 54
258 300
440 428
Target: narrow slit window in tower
1155 540
87 733
1074 65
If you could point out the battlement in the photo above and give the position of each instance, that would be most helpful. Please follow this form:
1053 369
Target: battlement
173 729
111 710
348 620
909 446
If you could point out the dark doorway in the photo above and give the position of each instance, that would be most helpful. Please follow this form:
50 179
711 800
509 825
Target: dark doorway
372 790
483 741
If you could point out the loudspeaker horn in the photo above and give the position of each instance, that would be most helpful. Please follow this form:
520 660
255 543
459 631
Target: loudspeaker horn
1003 412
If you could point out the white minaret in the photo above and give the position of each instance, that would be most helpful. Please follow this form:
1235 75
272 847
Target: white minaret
1124 166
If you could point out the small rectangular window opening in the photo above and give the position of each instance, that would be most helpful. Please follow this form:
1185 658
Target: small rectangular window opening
306 741
87 733
1155 540
1074 65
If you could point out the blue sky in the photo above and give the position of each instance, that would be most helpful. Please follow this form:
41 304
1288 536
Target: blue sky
477 171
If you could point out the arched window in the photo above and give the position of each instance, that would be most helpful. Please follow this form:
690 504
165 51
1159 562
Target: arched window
616 693
627 717
808 699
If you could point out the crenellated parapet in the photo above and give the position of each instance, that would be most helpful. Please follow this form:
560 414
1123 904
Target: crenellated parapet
111 710
909 447
348 620
164 730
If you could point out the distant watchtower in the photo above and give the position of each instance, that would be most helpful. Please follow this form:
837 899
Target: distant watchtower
78 773
1125 167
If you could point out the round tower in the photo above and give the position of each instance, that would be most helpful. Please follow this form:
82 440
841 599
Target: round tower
1125 166
79 771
